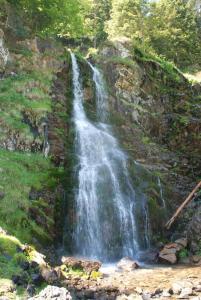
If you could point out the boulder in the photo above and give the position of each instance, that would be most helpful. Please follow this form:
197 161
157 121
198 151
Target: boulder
49 275
169 252
182 242
167 257
53 292
87 266
127 264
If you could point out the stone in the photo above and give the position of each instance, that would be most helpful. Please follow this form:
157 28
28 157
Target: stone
183 242
139 290
198 288
86 265
168 258
166 294
49 275
53 292
185 293
176 288
127 264
146 296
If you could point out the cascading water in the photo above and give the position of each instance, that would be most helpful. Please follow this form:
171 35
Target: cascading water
4 54
105 200
161 192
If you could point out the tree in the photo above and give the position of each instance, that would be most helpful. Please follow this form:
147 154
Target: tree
174 32
97 15
52 16
127 19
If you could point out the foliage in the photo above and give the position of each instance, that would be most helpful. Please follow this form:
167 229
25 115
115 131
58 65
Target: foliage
127 19
51 17
168 28
96 16
20 172
173 31
183 253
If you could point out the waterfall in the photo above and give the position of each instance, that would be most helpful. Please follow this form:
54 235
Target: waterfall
161 192
4 54
105 226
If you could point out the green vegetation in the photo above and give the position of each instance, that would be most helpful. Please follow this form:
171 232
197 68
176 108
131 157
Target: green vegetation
10 258
19 172
168 28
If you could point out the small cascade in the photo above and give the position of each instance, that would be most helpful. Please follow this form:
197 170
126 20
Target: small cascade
4 53
101 94
46 145
161 192
105 199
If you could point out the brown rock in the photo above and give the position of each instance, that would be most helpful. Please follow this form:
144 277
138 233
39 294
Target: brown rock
49 275
168 258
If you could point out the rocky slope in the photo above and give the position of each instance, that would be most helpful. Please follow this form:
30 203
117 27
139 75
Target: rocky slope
156 114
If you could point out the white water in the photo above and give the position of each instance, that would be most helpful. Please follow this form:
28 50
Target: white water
4 54
105 200
161 193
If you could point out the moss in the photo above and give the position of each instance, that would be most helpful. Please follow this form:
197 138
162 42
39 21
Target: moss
9 244
10 257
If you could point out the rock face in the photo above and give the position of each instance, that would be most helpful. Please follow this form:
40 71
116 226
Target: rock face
127 264
87 266
194 230
150 103
53 292
4 53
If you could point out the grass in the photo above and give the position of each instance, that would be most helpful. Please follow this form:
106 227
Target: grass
10 257
18 173
19 94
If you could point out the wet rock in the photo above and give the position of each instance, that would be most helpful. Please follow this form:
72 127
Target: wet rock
127 264
53 292
86 265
